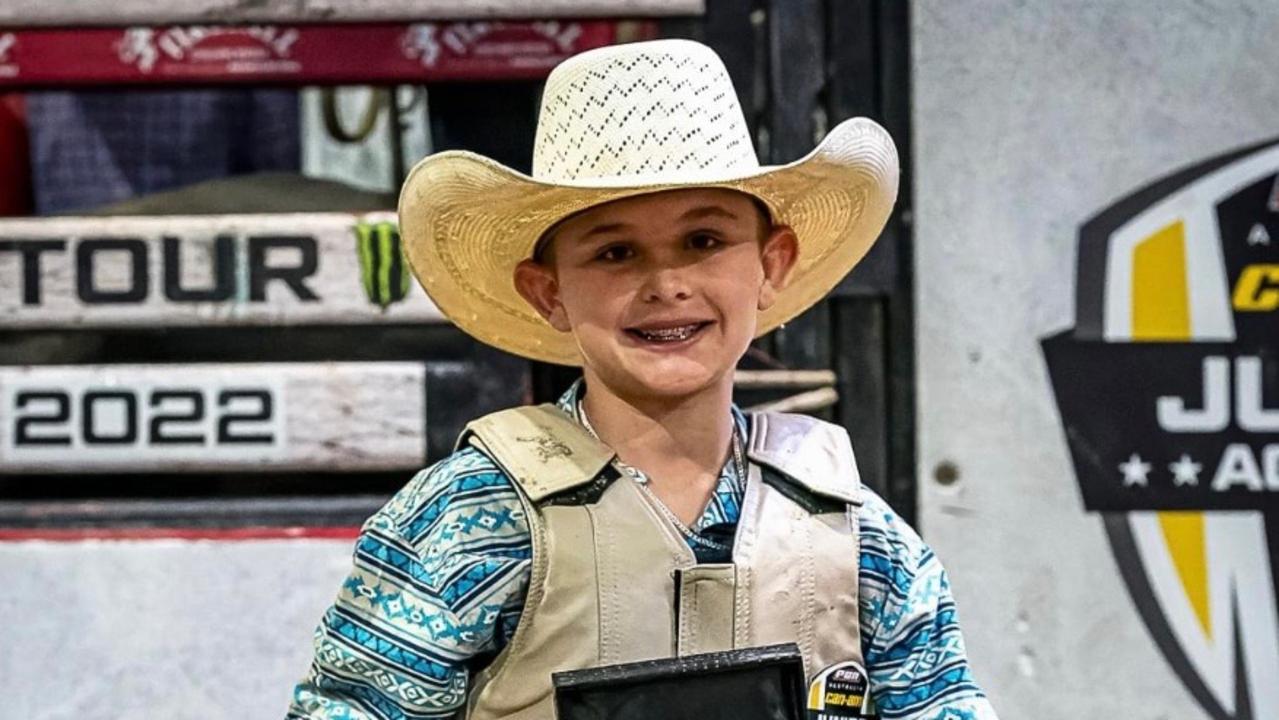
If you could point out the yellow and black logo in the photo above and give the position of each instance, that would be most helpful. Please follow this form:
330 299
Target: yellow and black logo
840 691
1168 388
1257 289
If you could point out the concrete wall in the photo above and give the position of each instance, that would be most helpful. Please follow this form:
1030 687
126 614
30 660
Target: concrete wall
160 628
1029 118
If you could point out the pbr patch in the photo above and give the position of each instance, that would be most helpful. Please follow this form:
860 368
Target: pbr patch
383 271
1168 387
840 691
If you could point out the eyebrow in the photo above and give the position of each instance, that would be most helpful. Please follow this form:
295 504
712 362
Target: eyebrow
707 211
696 213
603 230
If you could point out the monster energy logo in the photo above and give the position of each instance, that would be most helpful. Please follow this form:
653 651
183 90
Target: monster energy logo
383 272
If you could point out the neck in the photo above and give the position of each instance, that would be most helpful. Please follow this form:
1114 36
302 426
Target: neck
675 441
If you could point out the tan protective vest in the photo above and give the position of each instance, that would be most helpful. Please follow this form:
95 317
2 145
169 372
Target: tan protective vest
612 581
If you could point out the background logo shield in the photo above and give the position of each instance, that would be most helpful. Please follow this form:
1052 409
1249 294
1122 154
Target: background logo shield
1168 388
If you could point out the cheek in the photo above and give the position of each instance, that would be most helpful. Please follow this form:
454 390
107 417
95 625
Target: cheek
593 298
738 300
741 281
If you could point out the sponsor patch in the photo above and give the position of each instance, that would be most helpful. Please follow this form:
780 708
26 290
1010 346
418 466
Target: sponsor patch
840 691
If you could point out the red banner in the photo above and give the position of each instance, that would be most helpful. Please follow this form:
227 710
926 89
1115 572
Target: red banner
300 54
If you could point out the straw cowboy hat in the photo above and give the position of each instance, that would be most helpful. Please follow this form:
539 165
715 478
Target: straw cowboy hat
621 121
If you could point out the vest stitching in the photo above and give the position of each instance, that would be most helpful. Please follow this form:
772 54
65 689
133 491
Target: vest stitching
808 631
854 525
742 606
744 554
695 636
606 587
687 635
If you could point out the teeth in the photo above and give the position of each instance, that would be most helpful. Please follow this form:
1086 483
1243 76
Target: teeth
668 334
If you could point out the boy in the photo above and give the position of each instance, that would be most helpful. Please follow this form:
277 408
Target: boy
642 516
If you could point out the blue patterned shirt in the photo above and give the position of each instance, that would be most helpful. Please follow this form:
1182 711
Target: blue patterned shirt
441 572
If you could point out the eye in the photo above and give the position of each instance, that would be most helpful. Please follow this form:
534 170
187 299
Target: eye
614 253
703 241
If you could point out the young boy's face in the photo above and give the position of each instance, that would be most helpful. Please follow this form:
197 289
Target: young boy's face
661 291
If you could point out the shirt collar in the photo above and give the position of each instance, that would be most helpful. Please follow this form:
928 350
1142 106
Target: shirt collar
570 404
724 506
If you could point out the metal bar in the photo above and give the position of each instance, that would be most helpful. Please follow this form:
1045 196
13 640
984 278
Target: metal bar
769 379
40 13
805 402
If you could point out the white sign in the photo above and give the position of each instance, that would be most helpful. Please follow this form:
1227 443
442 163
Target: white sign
293 268
171 418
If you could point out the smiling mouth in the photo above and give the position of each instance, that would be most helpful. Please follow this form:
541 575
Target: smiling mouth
675 334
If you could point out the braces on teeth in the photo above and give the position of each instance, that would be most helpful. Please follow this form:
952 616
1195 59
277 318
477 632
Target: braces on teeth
667 334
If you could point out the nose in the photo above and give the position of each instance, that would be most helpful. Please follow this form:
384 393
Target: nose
667 284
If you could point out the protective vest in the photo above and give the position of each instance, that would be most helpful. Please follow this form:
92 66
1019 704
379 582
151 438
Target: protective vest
613 581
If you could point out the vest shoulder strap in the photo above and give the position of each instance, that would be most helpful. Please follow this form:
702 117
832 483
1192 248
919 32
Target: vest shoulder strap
814 454
543 450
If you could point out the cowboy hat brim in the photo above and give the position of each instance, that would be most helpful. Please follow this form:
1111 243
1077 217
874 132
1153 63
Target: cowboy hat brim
466 221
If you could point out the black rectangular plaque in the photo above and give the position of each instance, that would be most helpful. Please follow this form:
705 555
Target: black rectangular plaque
765 683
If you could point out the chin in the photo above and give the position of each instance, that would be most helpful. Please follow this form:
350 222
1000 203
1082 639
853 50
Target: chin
673 377
672 387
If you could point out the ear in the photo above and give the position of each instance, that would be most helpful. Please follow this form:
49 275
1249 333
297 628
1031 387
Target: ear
536 283
778 254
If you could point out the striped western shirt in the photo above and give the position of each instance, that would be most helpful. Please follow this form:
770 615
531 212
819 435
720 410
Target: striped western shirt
440 575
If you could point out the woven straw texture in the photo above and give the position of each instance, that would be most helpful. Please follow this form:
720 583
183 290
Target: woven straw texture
622 121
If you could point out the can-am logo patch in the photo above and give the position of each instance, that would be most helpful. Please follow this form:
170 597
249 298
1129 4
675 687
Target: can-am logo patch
1168 387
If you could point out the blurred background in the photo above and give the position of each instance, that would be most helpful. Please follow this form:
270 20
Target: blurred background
1060 362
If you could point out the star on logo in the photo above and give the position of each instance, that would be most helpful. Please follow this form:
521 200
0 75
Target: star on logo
1135 471
1185 471
1258 235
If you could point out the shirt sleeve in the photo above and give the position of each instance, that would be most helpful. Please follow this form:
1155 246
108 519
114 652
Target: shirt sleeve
438 578
913 646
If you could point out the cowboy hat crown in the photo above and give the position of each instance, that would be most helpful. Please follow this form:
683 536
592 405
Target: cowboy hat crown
641 113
